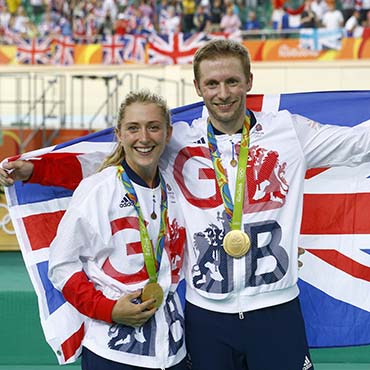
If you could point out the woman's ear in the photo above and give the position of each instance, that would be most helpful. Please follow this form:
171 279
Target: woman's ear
117 133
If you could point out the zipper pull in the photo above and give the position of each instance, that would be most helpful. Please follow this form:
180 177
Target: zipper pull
241 315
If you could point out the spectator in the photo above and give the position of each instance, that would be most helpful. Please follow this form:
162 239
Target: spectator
144 23
333 18
308 16
131 15
37 7
241 11
352 25
99 14
65 26
54 14
188 12
13 5
107 27
47 26
230 22
4 19
201 18
365 8
252 22
215 15
121 24
146 10
30 29
169 21
121 6
90 23
277 17
111 7
366 22
348 6
78 26
319 7
20 21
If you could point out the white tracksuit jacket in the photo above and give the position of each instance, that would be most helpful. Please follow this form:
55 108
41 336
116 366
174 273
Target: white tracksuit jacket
282 147
99 235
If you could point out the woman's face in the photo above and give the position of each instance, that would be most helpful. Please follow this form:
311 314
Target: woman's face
144 134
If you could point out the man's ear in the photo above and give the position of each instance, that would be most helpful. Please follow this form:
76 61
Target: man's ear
250 83
197 89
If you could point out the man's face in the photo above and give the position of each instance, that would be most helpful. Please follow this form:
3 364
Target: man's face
223 85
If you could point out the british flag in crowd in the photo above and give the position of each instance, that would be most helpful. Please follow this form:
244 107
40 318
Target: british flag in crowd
135 50
335 279
10 37
34 51
64 47
113 47
174 48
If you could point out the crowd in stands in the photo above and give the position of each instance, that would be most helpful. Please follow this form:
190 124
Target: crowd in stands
90 20
353 16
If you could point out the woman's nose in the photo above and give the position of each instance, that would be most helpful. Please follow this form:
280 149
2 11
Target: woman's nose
144 134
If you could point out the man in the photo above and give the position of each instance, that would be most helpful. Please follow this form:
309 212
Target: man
242 309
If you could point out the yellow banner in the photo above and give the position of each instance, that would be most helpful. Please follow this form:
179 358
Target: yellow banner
8 54
88 54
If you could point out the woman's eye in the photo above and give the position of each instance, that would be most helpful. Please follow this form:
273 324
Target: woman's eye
154 128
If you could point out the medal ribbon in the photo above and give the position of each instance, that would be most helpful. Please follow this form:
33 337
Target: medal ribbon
152 262
234 210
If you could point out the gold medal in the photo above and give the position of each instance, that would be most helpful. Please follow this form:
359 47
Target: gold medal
236 243
233 162
152 291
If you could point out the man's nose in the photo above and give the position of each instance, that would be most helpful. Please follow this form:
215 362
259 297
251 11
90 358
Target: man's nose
224 91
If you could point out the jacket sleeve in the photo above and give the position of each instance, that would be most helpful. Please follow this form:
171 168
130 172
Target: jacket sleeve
65 169
75 244
81 293
330 145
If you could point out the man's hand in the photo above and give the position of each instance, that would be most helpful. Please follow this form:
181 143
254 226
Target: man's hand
127 313
19 170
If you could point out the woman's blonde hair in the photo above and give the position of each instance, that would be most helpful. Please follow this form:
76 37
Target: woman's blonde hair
142 96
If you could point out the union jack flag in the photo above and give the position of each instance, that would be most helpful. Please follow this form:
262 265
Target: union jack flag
113 47
175 48
34 51
335 231
135 50
10 37
64 50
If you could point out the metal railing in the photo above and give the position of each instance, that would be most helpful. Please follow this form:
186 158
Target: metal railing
43 101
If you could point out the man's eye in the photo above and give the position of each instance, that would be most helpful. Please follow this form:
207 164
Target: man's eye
211 85
233 82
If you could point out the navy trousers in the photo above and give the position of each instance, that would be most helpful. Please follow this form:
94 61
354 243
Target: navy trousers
272 338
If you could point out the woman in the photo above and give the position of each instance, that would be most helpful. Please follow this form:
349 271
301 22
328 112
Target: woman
118 250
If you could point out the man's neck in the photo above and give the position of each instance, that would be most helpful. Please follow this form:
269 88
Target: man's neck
220 129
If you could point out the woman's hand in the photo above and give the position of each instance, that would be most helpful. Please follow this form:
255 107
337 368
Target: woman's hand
132 314
14 171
